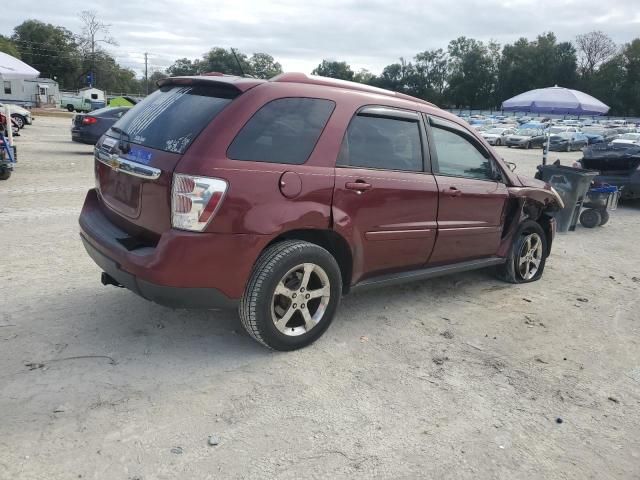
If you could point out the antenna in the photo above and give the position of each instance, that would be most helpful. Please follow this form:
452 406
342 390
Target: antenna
238 60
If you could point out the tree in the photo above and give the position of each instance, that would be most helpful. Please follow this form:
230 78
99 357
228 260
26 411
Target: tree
431 71
50 49
608 84
398 77
631 89
594 49
224 61
7 46
334 69
94 33
364 76
184 66
471 81
540 63
263 65
154 78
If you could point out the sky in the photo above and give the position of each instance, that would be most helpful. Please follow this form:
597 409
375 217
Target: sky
299 34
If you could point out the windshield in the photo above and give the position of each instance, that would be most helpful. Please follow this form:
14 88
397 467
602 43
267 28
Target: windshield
497 131
593 131
630 136
564 135
558 129
172 117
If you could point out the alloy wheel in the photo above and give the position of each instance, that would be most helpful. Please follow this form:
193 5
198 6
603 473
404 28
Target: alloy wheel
530 256
300 299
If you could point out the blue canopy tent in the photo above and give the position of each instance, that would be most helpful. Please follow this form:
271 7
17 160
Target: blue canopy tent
555 100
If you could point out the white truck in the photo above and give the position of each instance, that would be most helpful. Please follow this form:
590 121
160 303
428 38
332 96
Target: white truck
86 100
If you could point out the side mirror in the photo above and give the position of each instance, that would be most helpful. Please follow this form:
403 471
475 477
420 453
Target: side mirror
512 166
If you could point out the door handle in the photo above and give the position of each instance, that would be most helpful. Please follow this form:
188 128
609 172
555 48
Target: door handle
359 186
453 191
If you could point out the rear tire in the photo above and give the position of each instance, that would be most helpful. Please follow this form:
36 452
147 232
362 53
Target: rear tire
70 108
276 308
5 174
527 255
590 218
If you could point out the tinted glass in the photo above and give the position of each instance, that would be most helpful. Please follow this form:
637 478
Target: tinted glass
383 143
172 117
460 158
282 131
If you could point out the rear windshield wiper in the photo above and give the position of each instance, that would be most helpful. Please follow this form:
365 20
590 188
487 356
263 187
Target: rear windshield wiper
124 148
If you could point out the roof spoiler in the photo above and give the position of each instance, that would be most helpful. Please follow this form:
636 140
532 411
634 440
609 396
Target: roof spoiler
230 82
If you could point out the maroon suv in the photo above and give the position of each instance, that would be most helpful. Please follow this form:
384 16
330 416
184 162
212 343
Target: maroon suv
280 196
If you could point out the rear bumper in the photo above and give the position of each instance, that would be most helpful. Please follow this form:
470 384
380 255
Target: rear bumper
175 297
84 137
184 269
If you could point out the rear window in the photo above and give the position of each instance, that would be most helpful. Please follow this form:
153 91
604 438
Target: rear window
283 131
172 117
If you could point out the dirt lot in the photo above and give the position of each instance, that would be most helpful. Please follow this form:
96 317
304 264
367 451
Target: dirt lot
459 377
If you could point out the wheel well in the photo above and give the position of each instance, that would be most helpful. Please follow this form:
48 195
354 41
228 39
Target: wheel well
529 210
545 222
334 243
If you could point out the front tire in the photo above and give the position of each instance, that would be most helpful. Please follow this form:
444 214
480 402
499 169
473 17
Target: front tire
5 173
20 121
527 256
292 295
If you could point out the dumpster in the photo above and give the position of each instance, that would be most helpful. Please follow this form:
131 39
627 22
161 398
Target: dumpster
572 184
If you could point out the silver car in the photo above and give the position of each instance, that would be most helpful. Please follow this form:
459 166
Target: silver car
496 135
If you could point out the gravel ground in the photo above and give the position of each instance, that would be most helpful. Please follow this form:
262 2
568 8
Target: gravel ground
459 377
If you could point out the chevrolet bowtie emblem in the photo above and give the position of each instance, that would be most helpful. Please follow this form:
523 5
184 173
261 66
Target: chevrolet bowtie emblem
114 162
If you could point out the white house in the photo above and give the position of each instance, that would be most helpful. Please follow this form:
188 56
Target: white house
19 84
36 92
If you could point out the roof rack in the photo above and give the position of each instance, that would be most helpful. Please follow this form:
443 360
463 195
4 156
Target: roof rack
296 77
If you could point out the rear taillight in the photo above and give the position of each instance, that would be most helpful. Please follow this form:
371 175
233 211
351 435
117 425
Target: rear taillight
89 120
195 200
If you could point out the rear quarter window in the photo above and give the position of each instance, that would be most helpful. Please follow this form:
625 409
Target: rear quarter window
173 116
282 131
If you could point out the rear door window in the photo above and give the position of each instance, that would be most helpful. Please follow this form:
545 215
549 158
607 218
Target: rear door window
172 117
282 131
382 143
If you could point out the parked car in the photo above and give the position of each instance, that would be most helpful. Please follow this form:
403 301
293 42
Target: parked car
526 138
555 129
594 134
618 164
88 128
21 116
628 139
567 141
495 136
280 196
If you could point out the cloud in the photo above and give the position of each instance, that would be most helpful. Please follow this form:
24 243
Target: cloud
366 33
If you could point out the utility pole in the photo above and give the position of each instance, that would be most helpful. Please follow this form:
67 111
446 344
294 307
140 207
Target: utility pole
146 73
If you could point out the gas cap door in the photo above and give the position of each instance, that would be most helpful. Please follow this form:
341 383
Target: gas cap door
290 184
